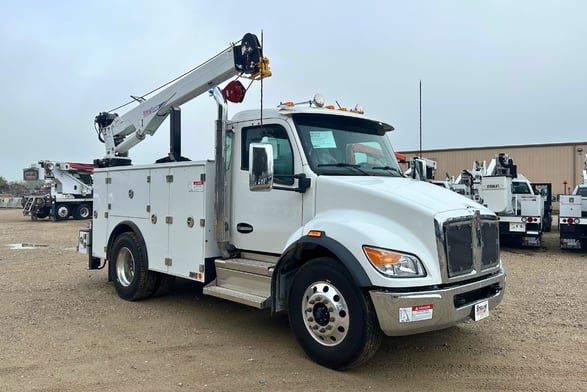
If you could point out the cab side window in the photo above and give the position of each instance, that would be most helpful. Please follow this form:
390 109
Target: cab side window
275 135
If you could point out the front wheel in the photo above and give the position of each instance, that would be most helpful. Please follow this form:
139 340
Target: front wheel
332 319
133 280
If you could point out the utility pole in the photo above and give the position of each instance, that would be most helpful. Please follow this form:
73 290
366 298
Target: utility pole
420 154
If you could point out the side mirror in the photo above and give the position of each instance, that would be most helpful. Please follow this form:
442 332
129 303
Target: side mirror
260 167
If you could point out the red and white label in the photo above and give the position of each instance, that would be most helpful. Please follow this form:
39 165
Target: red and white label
416 313
196 186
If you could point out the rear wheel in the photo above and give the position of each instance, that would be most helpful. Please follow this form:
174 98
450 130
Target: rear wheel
333 320
62 211
133 280
83 211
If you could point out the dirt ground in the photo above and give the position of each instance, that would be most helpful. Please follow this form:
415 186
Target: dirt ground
63 328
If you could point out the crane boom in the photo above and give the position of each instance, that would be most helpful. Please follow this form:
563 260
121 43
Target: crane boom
121 133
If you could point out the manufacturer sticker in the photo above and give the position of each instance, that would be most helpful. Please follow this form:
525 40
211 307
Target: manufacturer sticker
416 313
196 186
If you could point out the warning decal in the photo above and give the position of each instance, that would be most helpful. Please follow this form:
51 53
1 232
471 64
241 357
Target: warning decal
415 313
196 186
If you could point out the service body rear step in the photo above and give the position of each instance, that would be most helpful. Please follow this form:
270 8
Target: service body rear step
245 281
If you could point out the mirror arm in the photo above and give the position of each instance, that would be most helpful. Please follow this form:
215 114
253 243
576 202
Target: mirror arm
303 184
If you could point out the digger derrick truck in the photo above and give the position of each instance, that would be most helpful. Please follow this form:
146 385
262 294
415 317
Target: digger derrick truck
572 221
521 211
66 192
303 210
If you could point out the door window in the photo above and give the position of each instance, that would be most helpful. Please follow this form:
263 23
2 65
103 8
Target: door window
276 136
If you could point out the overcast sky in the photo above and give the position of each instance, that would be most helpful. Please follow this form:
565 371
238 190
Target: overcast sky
493 72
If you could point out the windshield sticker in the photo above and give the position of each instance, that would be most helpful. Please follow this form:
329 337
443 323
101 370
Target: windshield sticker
322 139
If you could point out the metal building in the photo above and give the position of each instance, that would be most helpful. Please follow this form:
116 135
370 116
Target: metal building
560 164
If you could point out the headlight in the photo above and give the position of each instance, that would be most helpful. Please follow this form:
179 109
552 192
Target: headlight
394 264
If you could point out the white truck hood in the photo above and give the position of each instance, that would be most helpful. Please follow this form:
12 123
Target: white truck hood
395 213
392 192
389 212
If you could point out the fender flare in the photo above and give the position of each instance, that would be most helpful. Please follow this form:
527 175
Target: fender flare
292 258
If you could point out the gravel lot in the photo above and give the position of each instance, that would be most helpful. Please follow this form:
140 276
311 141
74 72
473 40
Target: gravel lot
63 328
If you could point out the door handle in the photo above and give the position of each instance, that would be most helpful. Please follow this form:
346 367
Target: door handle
244 228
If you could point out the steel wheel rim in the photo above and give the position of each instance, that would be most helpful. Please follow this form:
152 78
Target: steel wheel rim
325 313
62 212
84 212
125 266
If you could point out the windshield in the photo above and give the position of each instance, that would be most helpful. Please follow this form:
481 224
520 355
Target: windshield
341 145
520 188
581 191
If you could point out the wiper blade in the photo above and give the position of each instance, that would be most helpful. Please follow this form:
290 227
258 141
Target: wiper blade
347 165
389 168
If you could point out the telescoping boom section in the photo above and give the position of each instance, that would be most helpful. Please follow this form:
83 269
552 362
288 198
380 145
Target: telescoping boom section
121 133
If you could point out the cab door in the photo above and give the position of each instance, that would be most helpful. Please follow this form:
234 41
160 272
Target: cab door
264 221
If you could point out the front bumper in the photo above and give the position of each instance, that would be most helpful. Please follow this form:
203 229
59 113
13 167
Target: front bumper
407 313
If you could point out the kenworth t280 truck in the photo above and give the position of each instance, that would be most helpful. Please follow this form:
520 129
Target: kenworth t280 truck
304 210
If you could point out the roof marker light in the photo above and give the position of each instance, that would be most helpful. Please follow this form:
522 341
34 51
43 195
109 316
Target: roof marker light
358 109
318 100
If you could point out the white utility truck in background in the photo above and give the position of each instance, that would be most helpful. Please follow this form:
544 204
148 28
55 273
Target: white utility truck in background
66 192
304 210
572 221
499 187
424 169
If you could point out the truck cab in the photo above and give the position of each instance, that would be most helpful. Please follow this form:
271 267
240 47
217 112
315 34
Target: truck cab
339 203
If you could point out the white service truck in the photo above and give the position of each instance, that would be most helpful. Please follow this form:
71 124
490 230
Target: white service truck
520 210
572 221
304 210
66 192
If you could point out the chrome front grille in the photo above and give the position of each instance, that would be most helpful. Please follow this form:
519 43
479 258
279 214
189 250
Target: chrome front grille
468 247
490 244
459 249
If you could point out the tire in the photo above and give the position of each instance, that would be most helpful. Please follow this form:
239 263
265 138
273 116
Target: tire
340 340
62 211
83 211
132 279
40 213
